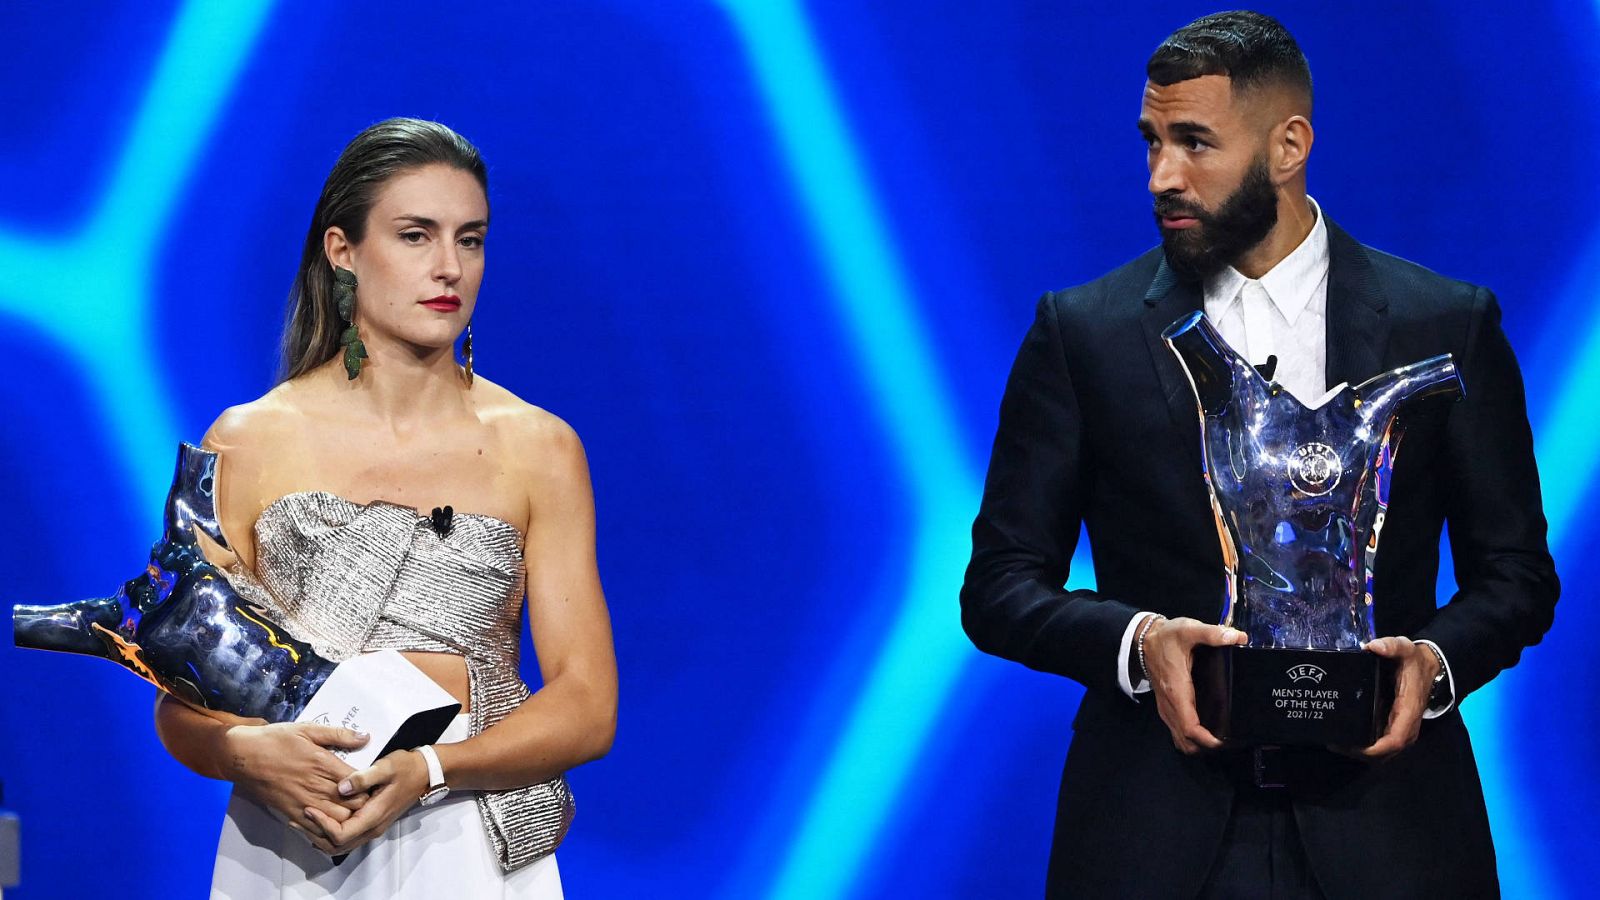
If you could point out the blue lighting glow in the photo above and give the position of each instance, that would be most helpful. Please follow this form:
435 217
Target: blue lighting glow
1568 439
923 650
100 279
1567 443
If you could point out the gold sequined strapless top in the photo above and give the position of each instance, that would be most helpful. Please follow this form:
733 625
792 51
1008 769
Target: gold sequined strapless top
349 578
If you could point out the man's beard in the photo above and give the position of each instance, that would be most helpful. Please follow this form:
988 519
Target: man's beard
1219 239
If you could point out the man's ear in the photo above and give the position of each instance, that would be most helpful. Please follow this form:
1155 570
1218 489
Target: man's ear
338 248
1291 147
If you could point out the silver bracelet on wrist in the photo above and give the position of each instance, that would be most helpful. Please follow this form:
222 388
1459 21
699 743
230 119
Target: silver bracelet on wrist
1438 657
1139 642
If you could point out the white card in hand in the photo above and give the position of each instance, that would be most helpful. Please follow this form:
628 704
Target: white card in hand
384 695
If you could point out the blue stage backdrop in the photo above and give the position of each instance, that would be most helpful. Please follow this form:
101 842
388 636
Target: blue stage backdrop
772 260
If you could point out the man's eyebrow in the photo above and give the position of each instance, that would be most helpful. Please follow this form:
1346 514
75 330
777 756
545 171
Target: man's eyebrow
1192 129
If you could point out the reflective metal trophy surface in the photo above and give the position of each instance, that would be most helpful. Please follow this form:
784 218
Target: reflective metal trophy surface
184 626
1300 495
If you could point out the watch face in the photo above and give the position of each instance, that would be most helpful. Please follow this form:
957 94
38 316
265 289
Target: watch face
1439 693
434 795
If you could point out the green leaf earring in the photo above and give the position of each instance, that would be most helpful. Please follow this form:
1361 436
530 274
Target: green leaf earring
344 291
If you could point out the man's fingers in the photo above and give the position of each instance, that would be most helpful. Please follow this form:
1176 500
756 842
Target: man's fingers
1174 685
1190 632
1202 736
1390 741
1384 747
1184 722
1194 740
1180 740
1400 732
1219 636
1390 647
1191 735
1409 703
1380 750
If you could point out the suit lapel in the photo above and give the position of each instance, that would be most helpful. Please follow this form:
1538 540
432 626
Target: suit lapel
1357 320
1169 299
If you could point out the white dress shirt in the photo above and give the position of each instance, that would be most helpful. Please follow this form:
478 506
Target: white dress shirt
1284 313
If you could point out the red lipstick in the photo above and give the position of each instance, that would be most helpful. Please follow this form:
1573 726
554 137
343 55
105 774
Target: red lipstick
443 303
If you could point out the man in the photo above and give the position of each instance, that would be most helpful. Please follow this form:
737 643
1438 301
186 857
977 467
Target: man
1098 429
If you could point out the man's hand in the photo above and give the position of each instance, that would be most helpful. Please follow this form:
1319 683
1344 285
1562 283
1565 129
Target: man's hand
1417 667
1169 661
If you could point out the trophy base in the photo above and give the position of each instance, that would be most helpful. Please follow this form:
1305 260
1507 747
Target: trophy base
1254 696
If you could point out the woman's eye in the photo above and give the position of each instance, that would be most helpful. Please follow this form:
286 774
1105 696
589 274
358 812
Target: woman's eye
473 241
413 237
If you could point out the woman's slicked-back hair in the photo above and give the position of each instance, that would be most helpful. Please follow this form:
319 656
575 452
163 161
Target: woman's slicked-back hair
387 149
1252 49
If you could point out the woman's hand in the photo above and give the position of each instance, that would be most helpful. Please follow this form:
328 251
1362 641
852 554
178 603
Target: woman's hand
391 785
288 768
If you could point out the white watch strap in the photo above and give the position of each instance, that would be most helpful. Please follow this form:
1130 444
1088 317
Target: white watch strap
435 771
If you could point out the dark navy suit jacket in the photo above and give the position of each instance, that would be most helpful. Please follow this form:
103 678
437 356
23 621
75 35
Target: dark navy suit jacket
1098 429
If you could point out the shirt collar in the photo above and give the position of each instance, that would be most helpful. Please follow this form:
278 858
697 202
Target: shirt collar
1291 284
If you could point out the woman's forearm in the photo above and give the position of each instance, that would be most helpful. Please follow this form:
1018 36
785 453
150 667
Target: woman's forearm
194 738
568 722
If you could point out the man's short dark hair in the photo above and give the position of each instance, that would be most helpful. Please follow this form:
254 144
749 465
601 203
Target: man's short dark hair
1252 49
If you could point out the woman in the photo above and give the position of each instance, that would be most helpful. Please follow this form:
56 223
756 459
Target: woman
374 421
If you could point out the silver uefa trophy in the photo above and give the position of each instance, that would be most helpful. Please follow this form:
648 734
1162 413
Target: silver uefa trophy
1299 495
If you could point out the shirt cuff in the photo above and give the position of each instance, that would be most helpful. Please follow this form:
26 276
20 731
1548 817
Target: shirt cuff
1450 682
1123 654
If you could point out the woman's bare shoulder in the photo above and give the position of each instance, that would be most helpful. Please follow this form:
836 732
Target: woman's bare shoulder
264 423
539 435
255 440
506 411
